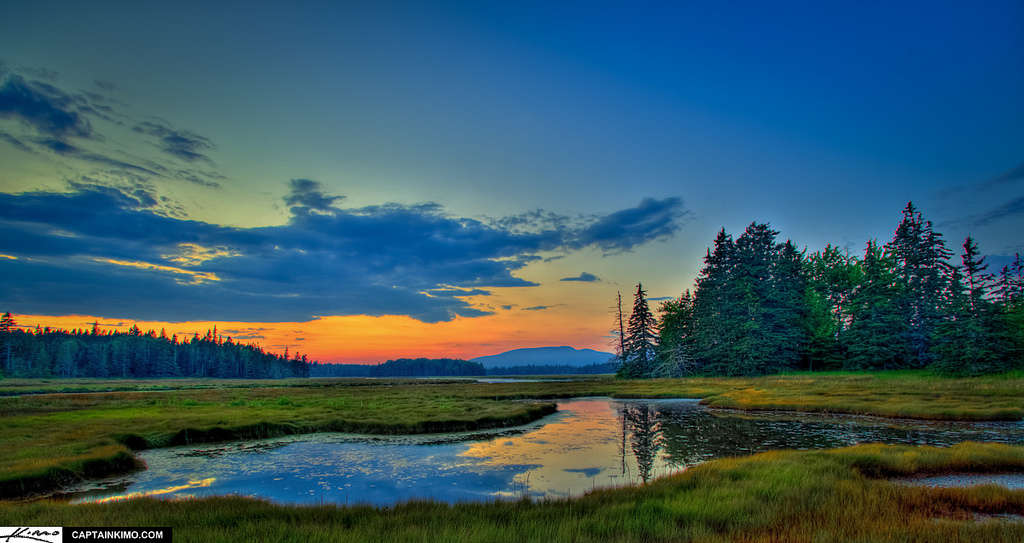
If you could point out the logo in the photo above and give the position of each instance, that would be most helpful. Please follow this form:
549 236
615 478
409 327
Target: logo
58 534
31 534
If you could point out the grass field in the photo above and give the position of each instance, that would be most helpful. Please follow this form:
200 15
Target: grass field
51 437
784 496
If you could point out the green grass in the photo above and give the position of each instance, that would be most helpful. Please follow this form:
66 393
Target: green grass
50 439
782 496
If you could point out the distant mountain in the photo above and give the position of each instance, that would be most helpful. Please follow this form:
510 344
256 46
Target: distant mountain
545 356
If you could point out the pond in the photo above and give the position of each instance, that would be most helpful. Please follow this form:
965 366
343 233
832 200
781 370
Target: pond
589 443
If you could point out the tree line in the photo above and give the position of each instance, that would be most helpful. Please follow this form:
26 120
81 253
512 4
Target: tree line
761 306
402 367
46 352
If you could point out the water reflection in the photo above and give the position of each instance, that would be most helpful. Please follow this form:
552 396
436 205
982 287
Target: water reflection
644 427
590 443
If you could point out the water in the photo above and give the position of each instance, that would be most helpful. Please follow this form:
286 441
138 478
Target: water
590 443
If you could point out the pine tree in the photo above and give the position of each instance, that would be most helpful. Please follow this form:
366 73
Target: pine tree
7 326
640 355
877 335
716 313
920 259
967 342
675 338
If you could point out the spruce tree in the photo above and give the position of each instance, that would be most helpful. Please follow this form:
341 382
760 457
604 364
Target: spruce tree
831 277
675 338
716 315
967 342
877 335
920 259
640 355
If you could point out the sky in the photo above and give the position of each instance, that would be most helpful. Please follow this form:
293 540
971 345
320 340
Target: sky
366 181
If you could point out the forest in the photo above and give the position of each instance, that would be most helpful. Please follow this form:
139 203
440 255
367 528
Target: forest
402 367
45 352
761 306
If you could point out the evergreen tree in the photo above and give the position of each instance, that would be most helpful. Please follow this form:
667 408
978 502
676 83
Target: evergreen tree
967 342
7 324
716 313
134 354
831 276
920 259
675 338
877 335
640 356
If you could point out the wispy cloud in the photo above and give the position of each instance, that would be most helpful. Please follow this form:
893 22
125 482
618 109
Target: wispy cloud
74 126
45 108
582 277
182 144
1011 208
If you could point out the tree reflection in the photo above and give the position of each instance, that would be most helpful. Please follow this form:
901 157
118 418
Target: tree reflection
640 422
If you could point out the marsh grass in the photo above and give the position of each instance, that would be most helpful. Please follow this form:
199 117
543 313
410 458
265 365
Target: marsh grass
50 439
791 496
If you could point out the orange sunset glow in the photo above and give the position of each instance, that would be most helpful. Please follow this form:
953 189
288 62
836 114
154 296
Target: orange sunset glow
364 339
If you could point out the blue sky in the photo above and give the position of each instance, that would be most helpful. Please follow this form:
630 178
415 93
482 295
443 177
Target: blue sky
638 129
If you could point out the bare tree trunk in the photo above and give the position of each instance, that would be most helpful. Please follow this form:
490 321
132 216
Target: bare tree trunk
622 330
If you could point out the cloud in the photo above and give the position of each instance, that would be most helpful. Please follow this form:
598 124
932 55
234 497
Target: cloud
537 308
309 194
42 106
59 121
1009 176
1009 209
182 144
1005 178
623 230
15 142
66 149
583 276
115 251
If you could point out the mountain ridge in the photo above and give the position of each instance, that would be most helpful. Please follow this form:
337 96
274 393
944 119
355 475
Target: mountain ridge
562 355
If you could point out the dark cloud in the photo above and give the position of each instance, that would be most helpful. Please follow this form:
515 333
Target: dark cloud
537 308
44 107
182 144
59 117
1011 208
204 179
309 194
537 220
114 251
15 142
66 149
622 230
1009 176
105 85
583 277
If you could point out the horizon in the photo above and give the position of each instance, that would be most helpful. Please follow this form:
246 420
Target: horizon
363 184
